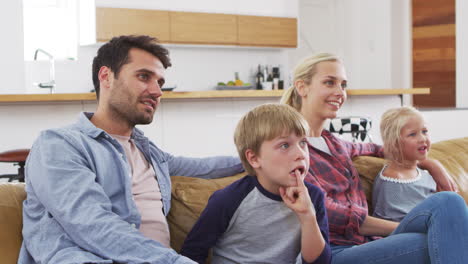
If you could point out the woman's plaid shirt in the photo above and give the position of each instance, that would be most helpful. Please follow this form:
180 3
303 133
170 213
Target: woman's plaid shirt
339 180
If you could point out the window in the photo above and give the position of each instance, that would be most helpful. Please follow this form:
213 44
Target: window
50 25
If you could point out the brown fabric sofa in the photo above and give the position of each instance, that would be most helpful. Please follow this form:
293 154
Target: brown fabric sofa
190 195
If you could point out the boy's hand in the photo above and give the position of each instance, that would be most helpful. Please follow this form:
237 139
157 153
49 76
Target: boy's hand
297 198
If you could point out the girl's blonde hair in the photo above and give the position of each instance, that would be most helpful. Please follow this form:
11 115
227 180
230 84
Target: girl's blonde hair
392 122
305 70
266 122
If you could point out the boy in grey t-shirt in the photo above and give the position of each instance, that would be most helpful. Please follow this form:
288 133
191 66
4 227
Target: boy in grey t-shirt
271 216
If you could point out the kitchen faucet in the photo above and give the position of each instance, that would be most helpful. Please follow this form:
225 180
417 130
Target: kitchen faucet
50 84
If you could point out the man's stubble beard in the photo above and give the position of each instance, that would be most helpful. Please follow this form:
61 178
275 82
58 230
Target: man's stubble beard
128 112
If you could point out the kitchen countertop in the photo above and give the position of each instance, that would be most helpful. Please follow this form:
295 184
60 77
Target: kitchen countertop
198 95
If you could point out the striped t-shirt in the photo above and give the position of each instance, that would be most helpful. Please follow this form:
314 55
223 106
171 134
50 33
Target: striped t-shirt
245 223
394 198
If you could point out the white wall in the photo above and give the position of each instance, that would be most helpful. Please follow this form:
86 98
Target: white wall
401 71
358 31
11 50
447 124
195 68
462 53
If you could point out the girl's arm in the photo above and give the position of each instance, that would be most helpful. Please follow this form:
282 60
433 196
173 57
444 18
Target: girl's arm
440 175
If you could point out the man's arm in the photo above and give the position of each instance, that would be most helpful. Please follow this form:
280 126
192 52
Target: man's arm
65 185
206 168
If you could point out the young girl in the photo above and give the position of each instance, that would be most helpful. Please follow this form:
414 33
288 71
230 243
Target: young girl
401 185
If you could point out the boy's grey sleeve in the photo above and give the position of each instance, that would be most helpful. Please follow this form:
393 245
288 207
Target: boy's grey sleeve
215 219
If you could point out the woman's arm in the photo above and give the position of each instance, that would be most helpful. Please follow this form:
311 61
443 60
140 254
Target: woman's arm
361 149
373 226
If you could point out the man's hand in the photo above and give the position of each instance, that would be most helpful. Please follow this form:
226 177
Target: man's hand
297 198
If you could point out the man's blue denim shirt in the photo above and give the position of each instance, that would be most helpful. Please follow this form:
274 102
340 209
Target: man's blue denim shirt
79 206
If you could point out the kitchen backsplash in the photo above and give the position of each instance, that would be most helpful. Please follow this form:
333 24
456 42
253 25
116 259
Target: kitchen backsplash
194 68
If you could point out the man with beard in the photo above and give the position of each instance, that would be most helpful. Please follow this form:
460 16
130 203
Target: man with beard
98 191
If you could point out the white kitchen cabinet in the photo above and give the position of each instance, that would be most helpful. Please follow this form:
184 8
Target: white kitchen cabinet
276 8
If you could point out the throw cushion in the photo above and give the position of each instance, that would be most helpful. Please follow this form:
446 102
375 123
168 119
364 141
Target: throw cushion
189 198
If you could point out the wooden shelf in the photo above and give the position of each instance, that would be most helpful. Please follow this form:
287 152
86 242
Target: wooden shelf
388 91
198 95
47 97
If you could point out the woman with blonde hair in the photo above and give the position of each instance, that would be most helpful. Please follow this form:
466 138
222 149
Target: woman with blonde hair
318 92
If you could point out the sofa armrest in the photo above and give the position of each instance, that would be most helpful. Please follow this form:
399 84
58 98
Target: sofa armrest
12 196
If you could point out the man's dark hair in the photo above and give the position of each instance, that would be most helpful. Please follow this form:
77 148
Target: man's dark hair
114 54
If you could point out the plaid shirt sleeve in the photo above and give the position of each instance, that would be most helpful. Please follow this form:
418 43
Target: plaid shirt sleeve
363 149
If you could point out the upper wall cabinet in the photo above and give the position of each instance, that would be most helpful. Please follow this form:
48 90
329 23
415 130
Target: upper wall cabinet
203 28
267 31
197 28
112 22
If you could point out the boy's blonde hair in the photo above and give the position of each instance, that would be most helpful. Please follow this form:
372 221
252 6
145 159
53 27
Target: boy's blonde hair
305 70
265 122
392 122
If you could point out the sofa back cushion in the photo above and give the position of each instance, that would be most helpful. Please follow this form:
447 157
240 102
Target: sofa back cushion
11 220
453 154
189 198
368 168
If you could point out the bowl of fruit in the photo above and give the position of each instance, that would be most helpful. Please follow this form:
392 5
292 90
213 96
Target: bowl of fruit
234 85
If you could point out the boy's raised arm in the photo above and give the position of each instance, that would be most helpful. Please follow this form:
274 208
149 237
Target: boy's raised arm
314 240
